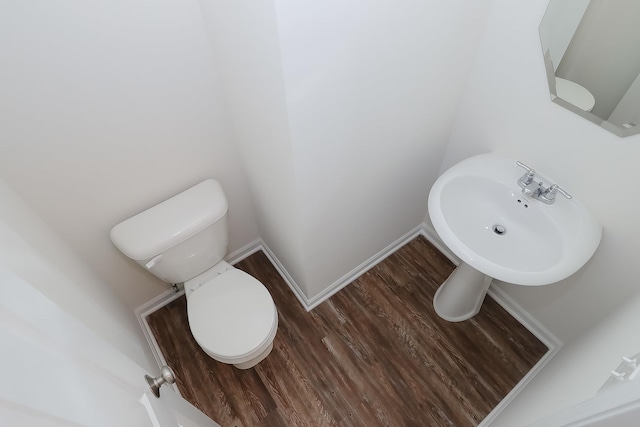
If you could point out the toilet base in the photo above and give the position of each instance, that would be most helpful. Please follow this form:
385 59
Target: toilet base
253 362
250 359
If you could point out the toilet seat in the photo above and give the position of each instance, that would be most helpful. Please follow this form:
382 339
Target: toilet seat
232 317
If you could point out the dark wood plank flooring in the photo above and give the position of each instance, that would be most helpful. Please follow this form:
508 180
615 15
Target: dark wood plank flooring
375 354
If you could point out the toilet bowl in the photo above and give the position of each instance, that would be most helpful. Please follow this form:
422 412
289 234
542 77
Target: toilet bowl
232 316
184 240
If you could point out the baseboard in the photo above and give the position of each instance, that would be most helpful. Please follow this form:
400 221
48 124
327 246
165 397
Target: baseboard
362 268
518 313
431 235
141 314
501 297
513 308
537 329
523 316
537 368
297 291
506 302
310 303
245 251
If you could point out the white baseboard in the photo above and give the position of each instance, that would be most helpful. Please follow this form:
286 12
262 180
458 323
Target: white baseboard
245 251
308 303
523 316
311 303
141 314
537 329
146 309
501 297
361 269
513 308
518 313
297 291
431 235
537 368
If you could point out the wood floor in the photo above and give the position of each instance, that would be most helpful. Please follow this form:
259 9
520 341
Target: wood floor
375 354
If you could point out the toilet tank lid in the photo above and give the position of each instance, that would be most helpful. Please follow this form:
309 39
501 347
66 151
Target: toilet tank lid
171 222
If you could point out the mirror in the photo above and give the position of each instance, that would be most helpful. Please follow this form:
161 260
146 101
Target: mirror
592 60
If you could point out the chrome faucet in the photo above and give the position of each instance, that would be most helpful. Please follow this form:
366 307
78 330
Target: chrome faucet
549 195
537 190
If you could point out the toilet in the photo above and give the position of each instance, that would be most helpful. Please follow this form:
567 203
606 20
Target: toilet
184 239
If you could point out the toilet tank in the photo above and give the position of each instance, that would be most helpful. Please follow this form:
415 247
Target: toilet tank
179 238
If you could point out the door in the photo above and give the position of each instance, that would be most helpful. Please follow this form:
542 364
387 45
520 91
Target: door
56 372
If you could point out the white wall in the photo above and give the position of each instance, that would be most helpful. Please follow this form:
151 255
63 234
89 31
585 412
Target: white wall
342 111
371 91
244 39
34 252
507 110
107 109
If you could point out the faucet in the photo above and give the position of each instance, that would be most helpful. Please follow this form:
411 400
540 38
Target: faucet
537 190
548 196
527 182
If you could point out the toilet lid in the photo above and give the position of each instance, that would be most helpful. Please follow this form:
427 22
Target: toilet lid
231 315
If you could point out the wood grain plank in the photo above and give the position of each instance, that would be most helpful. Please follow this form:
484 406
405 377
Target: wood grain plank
375 354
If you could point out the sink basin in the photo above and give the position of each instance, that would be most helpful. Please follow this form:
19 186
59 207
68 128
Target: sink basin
480 213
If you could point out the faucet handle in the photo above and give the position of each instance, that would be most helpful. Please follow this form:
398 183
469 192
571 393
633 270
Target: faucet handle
530 171
527 178
556 188
549 195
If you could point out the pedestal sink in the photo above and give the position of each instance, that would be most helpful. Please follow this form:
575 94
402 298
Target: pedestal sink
481 214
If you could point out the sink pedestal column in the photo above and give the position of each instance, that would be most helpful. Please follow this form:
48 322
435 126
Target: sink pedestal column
461 295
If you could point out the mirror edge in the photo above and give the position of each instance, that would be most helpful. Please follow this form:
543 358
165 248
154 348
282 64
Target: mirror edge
551 81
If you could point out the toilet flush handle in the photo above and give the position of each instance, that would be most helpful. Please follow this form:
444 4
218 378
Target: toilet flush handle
153 261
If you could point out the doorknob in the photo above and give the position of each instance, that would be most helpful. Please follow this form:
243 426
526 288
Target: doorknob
166 376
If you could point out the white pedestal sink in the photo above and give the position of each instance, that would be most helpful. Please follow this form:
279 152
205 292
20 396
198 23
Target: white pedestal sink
480 213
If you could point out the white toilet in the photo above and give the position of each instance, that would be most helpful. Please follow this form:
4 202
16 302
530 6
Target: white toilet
184 240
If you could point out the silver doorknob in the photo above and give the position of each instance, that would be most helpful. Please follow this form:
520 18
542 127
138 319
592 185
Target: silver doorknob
166 376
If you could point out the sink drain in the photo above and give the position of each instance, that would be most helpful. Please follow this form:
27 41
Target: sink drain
499 230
